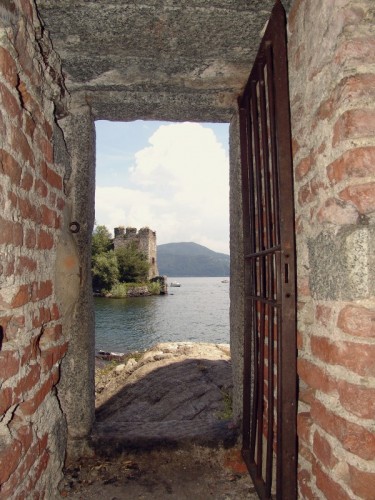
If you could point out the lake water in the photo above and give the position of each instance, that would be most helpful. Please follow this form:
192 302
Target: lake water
198 311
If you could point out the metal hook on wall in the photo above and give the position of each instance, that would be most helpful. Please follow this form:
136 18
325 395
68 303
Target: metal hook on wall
74 227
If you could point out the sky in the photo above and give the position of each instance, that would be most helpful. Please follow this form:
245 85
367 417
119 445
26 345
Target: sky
170 177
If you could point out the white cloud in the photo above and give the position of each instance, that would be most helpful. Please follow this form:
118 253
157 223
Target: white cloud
178 186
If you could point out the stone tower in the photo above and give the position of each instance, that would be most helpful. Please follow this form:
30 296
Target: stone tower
145 239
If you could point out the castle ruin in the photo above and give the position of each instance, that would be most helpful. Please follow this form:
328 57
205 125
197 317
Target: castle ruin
145 240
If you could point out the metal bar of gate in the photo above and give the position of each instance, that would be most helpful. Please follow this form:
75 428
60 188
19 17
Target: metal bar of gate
270 352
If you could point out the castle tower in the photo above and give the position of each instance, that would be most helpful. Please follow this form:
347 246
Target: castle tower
145 239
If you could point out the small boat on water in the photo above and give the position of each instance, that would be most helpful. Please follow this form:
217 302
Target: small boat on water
175 283
225 281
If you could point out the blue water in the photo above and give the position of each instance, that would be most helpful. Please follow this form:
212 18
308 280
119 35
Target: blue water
198 311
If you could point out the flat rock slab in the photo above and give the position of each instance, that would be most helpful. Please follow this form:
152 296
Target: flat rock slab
176 395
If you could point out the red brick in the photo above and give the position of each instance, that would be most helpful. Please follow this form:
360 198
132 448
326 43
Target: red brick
306 394
8 68
300 343
355 87
27 181
45 240
30 103
49 217
304 166
22 297
327 485
52 198
42 317
362 49
52 355
10 103
29 406
41 290
9 364
24 59
46 149
325 110
27 9
323 314
357 320
360 358
40 468
308 192
358 400
28 460
28 210
304 424
350 88
354 124
295 147
305 452
10 167
19 143
337 212
31 351
52 177
40 188
362 483
30 238
25 264
361 195
29 125
60 203
6 399
10 456
55 312
359 162
323 451
12 325
25 435
353 437
9 264
10 232
28 381
304 482
315 377
13 198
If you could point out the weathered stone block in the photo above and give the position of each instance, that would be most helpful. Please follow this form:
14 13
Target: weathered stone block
341 265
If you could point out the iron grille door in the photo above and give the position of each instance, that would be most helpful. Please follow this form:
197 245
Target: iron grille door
269 398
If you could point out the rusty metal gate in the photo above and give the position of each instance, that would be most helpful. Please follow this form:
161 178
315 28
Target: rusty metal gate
269 412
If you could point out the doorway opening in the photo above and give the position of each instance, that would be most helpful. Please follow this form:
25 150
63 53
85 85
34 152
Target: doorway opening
172 178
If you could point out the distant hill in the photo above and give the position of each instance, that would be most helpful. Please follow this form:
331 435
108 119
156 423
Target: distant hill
191 259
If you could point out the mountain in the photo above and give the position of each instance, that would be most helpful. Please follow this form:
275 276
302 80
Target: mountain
191 259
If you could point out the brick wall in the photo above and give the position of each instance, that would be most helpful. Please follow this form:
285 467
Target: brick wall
332 80
32 428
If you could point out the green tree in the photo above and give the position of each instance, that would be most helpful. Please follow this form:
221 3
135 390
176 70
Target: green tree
104 269
101 240
132 264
